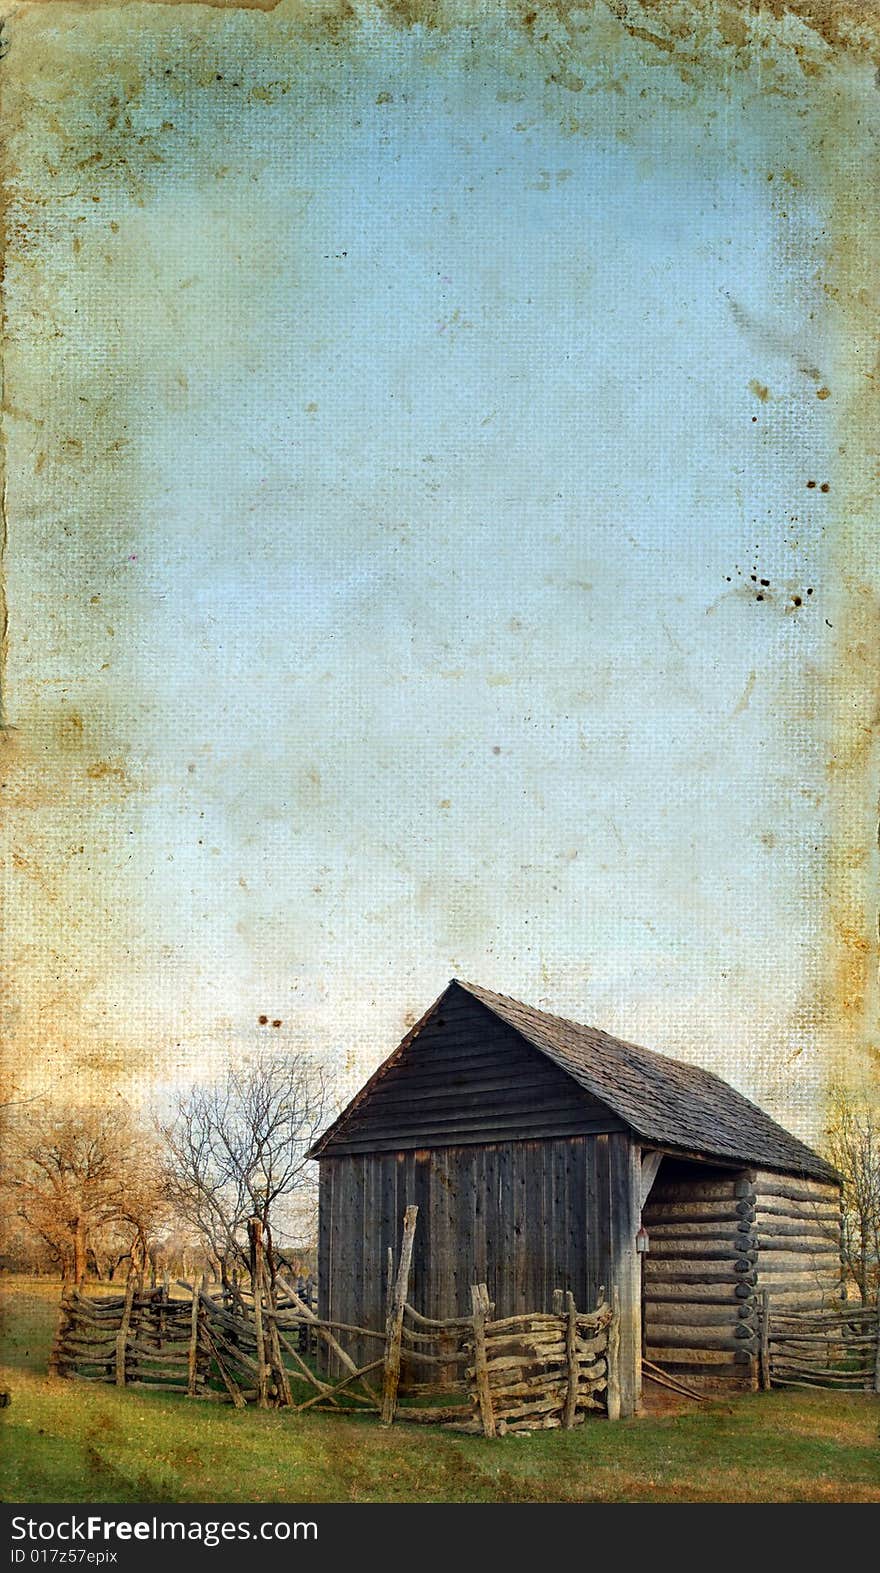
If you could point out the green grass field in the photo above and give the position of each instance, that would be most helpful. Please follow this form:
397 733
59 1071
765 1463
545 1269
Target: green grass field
70 1442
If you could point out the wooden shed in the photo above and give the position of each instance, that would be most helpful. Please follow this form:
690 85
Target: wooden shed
546 1155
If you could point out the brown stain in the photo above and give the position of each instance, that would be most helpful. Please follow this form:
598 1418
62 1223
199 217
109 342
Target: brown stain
663 25
106 770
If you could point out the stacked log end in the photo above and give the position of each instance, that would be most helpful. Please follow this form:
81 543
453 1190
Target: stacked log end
714 1243
700 1277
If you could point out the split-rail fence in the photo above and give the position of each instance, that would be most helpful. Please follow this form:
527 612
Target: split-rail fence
837 1347
542 1370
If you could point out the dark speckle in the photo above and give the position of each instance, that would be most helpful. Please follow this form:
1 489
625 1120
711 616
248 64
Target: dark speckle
810 485
824 487
276 1023
262 1020
496 749
759 597
766 583
810 591
797 600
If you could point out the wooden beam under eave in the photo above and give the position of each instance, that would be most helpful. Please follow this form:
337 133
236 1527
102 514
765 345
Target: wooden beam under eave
651 1162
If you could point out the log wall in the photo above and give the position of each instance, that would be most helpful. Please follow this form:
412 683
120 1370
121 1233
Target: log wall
700 1273
798 1236
523 1217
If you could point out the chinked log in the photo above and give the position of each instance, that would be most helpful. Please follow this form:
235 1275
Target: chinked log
700 1190
796 1301
666 1356
657 1291
788 1247
798 1212
726 1315
684 1270
740 1332
824 1293
703 1250
806 1229
685 1338
733 1229
683 1213
796 1191
807 1265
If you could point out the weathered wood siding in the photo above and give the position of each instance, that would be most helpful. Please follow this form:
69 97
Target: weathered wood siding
525 1217
700 1272
468 1078
798 1234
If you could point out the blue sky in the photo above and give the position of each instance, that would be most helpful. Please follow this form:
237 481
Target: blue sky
427 450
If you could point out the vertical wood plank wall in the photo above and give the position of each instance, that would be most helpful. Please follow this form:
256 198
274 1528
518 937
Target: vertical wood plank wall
525 1217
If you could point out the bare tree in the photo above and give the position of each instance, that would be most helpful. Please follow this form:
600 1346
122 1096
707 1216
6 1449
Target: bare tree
237 1150
78 1175
853 1146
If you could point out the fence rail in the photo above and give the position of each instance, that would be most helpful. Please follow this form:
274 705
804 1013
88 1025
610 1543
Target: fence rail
837 1348
539 1370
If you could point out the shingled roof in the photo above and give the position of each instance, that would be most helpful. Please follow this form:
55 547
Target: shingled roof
666 1102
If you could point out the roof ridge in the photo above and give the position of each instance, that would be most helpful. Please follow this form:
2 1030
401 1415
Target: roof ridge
614 1087
477 989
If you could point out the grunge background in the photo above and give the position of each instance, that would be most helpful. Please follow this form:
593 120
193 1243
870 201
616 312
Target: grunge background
440 460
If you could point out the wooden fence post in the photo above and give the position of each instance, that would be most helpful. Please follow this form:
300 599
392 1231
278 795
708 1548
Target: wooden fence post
255 1230
764 1356
279 1370
612 1390
479 1303
394 1324
122 1335
192 1367
877 1349
571 1361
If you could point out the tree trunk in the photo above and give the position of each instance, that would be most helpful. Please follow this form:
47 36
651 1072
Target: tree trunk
80 1263
269 1255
